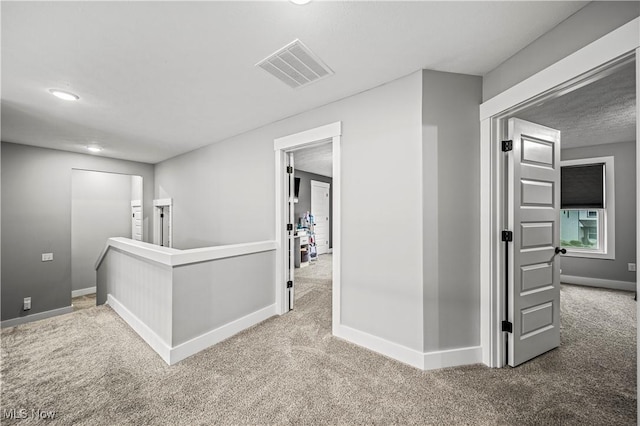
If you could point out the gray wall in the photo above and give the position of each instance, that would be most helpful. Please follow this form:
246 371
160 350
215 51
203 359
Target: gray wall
36 218
225 193
451 205
304 197
625 180
585 26
208 295
100 209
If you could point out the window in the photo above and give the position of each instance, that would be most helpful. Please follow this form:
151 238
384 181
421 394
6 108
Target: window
587 225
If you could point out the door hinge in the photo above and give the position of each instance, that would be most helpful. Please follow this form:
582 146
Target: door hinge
289 169
507 326
507 236
289 226
289 284
161 215
507 146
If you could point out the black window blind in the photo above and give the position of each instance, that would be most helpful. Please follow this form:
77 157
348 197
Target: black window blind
582 187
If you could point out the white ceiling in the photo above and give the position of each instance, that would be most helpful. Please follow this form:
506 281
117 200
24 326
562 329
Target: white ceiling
599 113
157 79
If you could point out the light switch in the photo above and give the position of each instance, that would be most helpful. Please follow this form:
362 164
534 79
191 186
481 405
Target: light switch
47 257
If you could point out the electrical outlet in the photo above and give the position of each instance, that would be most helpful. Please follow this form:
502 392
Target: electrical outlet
47 257
631 267
27 304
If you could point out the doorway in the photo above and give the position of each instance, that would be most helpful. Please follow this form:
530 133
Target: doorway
587 65
286 228
163 222
588 224
102 206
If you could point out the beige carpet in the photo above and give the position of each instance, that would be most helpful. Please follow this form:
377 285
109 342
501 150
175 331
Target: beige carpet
92 369
83 302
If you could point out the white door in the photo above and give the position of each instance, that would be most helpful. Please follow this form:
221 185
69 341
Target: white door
533 272
136 220
320 212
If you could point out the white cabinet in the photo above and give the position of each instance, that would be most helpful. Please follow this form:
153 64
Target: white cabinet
301 251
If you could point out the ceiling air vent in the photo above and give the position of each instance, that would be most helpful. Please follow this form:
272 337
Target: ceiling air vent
295 65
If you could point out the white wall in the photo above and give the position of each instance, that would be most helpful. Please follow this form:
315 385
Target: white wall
451 228
100 209
224 193
585 26
137 186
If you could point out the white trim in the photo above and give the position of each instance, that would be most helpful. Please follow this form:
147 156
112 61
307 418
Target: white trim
172 355
336 237
36 317
281 146
162 202
175 257
377 344
601 52
607 48
197 344
452 358
83 292
412 357
599 282
322 184
156 342
609 219
300 139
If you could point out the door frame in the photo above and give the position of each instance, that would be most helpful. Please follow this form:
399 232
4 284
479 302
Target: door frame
158 206
283 145
578 69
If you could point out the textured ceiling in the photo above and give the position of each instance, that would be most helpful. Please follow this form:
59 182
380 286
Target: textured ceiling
316 159
601 112
157 79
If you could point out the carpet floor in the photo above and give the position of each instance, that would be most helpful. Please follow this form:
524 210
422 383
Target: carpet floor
92 369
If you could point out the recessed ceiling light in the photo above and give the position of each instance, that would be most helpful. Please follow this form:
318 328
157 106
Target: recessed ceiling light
67 96
94 148
301 2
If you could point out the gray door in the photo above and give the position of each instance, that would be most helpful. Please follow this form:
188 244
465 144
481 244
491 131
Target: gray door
533 215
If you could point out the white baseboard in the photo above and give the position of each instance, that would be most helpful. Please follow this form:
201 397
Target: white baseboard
598 282
453 357
195 345
83 292
35 317
148 335
412 357
172 355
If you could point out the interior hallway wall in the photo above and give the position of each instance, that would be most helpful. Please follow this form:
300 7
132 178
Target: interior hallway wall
593 21
224 193
625 218
36 219
100 209
451 205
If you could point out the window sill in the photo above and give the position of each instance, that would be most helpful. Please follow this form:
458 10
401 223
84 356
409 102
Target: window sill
589 255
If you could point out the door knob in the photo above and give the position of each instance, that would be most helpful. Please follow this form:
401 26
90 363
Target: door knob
561 250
